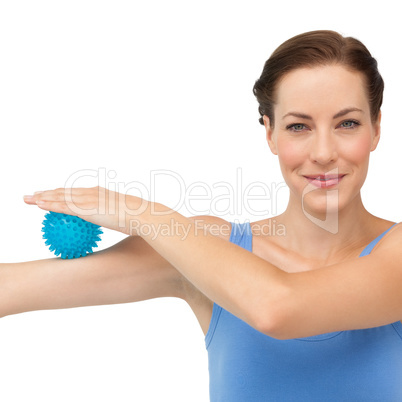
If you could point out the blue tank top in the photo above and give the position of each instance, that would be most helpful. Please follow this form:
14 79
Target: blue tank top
246 366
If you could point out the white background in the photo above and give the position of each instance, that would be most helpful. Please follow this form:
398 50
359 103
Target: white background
128 88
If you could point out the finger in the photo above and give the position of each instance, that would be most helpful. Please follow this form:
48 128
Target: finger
59 194
55 206
28 199
56 195
65 200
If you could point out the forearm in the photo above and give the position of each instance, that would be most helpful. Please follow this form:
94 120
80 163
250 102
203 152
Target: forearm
126 272
227 274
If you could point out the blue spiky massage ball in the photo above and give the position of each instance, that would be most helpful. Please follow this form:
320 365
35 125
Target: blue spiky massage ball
70 236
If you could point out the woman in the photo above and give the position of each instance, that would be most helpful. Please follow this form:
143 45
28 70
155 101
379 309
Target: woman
311 314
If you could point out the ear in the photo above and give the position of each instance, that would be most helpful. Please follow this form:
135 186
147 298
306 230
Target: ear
376 132
270 133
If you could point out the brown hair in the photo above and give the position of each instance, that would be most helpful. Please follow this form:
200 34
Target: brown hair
312 49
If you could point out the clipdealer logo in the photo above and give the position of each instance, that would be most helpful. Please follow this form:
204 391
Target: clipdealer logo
233 197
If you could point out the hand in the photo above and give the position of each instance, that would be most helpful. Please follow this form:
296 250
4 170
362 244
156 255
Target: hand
98 205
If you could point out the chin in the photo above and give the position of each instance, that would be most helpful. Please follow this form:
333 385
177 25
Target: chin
321 205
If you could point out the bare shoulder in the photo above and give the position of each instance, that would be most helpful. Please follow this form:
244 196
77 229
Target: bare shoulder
391 243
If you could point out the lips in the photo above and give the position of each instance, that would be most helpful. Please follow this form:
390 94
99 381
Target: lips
324 180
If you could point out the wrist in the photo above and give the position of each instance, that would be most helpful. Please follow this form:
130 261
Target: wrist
143 217
132 214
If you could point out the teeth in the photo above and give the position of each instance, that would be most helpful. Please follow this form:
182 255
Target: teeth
324 179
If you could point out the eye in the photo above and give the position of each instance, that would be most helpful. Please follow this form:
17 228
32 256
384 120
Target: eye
349 124
297 127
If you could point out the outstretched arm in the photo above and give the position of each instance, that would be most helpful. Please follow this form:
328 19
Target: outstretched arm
356 294
127 272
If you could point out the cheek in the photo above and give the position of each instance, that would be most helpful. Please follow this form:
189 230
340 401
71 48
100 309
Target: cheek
290 153
358 150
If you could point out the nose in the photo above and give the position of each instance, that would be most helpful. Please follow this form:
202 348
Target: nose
323 150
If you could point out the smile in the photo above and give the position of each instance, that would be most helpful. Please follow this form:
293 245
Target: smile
325 181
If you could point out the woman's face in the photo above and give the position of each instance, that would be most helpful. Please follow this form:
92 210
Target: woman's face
323 136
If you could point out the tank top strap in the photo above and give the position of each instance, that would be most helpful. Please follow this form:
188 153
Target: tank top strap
371 245
241 235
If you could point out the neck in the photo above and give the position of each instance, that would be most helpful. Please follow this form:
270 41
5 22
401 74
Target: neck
325 238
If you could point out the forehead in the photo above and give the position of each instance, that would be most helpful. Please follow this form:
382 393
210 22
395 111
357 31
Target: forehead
323 87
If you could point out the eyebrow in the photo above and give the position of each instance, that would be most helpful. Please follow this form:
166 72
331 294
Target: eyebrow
341 113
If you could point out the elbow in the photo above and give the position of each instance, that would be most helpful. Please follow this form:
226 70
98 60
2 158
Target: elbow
275 324
286 323
276 318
